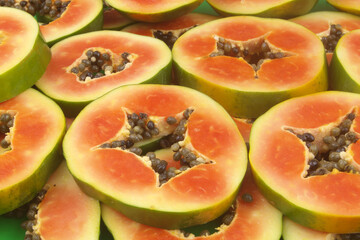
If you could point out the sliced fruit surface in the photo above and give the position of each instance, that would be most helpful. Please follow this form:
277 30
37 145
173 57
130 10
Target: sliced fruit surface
114 20
22 62
86 66
78 16
244 126
263 8
249 64
31 130
155 10
170 31
329 26
351 6
344 75
304 154
210 150
294 231
62 211
251 217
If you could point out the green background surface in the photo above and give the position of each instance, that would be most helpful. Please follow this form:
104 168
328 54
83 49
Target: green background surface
10 228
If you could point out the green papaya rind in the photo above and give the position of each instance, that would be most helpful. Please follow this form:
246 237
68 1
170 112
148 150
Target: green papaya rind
346 7
289 9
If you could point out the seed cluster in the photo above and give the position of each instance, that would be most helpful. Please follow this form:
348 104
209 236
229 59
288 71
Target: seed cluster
31 216
328 157
6 122
169 37
349 236
254 56
97 64
50 8
330 41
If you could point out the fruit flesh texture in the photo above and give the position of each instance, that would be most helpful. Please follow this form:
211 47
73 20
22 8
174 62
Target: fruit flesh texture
344 75
63 85
319 23
137 179
236 87
244 126
71 21
263 8
66 212
113 20
34 141
335 193
254 220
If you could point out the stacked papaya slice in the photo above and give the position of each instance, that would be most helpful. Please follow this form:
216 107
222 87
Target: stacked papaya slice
173 124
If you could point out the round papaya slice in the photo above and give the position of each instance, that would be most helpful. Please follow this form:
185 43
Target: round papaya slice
250 217
31 130
329 27
17 69
155 10
62 211
305 157
86 66
171 30
343 73
351 6
294 231
249 64
210 153
261 8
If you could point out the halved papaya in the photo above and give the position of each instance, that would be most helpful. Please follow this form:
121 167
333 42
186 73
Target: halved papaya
251 217
343 73
114 20
304 154
244 126
79 16
351 6
294 231
17 69
31 130
62 211
86 66
204 138
249 64
171 30
261 8
329 26
155 10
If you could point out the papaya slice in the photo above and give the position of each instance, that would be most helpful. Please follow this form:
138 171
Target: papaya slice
210 150
329 27
263 8
251 217
114 20
249 64
86 66
31 130
244 126
171 30
17 69
304 155
154 11
62 211
343 74
294 231
351 6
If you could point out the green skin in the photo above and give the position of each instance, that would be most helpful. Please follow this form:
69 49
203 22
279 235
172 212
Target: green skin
72 109
24 74
337 4
339 79
287 10
94 25
246 104
22 192
161 16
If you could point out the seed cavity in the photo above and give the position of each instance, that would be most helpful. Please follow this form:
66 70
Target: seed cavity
7 122
331 37
327 147
170 36
99 62
347 236
51 9
255 51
